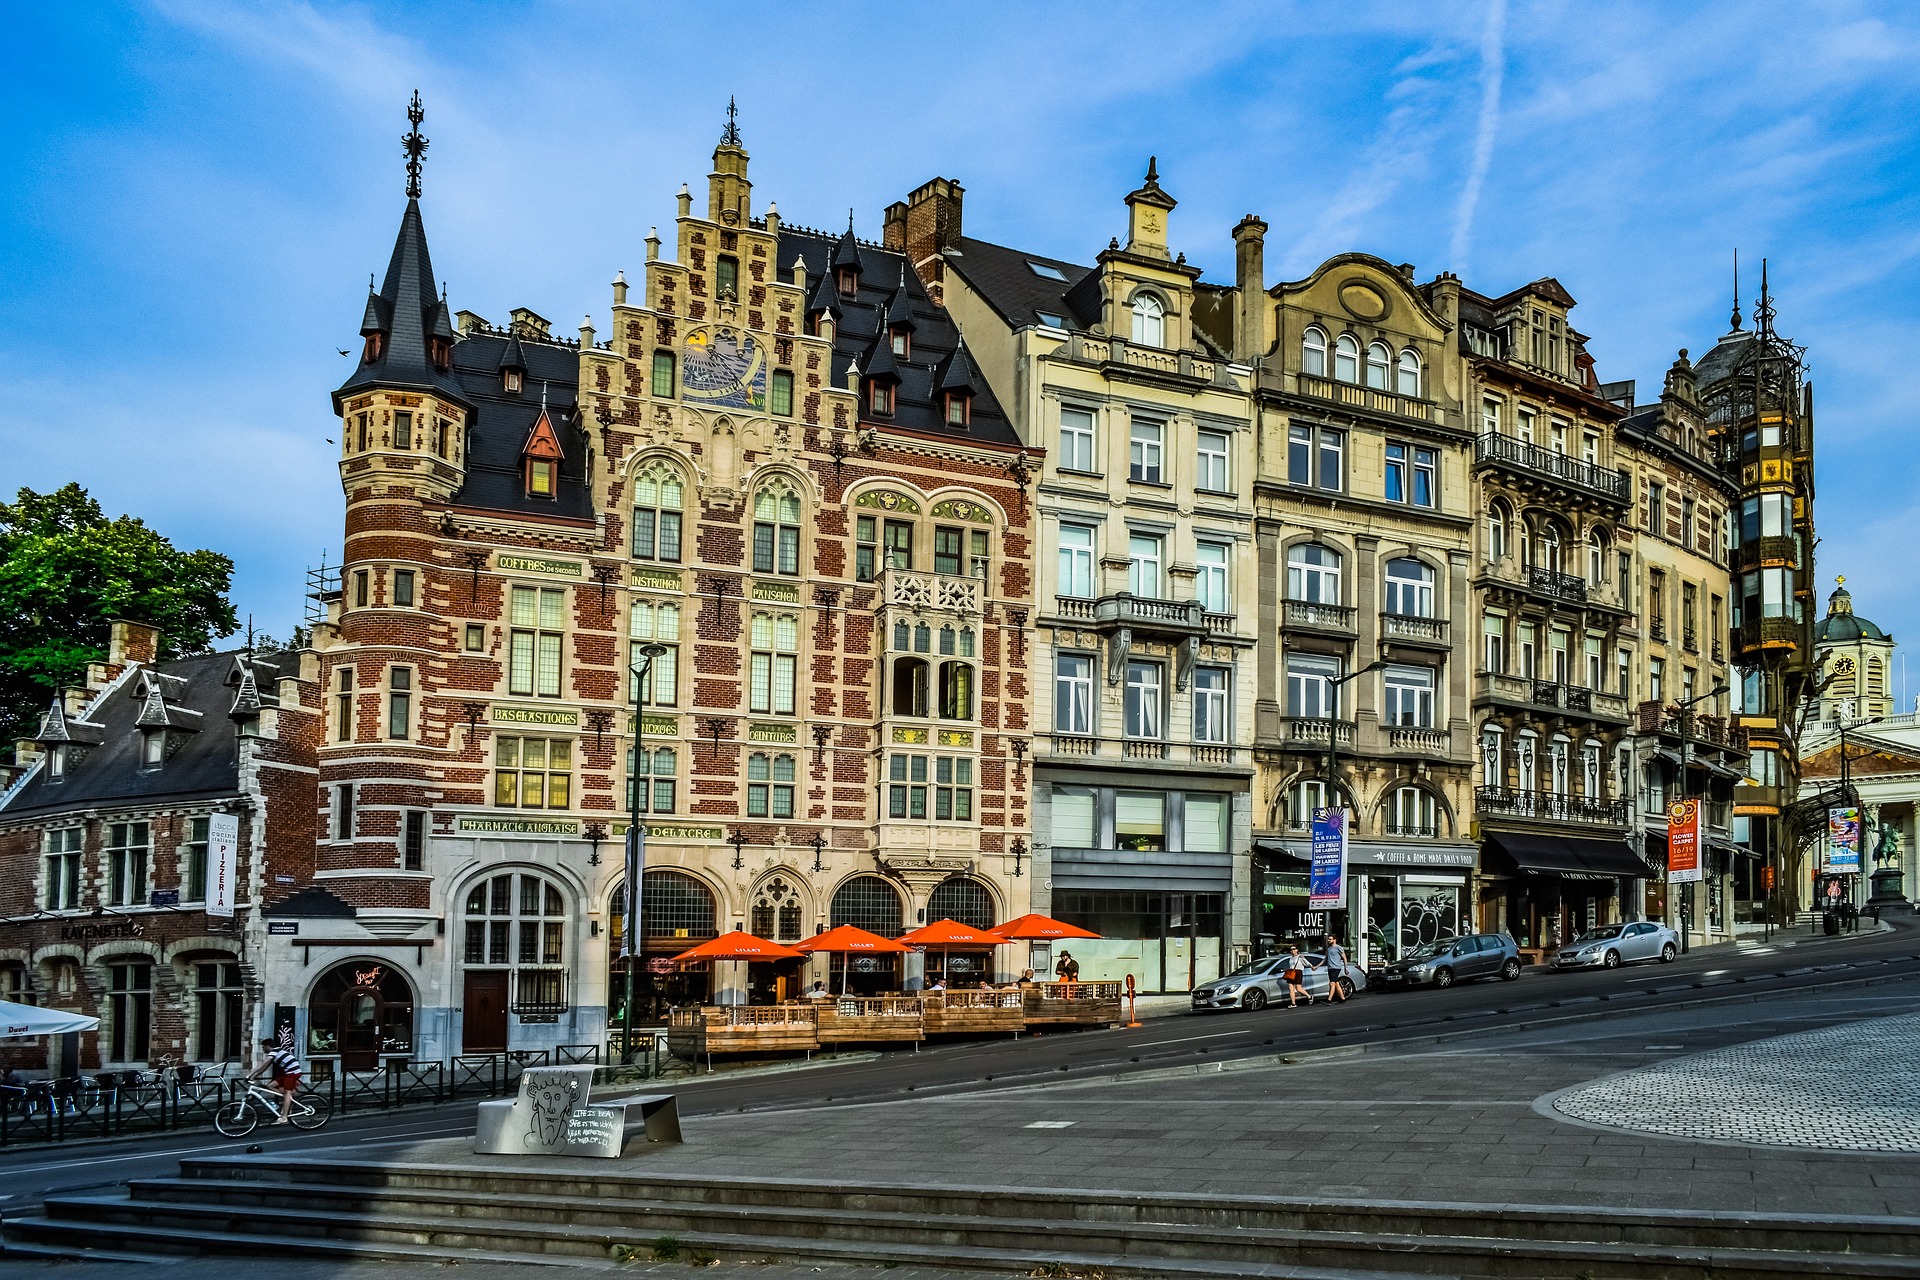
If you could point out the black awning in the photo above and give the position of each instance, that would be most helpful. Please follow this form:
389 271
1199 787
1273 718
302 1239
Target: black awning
1275 851
1567 855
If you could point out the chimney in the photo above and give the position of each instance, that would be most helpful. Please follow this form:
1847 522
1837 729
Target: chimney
131 642
893 227
1250 275
933 219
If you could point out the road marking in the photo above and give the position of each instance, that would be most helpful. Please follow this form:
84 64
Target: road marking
419 1133
1051 1124
1666 1046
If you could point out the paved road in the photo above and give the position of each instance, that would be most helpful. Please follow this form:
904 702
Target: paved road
1538 998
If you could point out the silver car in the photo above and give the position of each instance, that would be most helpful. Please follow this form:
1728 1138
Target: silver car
1257 985
1613 945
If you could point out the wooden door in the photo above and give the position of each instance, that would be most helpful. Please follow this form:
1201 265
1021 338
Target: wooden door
484 1026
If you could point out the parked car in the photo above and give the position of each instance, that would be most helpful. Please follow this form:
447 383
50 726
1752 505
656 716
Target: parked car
1613 945
1257 985
1451 960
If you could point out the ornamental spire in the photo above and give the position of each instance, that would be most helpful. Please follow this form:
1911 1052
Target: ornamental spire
1736 290
416 145
730 137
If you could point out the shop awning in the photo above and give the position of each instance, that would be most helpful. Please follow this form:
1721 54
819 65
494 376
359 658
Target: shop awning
1567 855
19 1021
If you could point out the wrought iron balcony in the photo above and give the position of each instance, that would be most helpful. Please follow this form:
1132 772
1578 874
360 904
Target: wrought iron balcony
1770 633
1549 806
1561 586
1413 830
1401 626
1532 461
1318 617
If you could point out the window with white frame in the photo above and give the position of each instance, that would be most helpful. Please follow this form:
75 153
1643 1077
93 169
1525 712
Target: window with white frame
1526 765
532 773
1143 564
1412 811
1310 678
1210 709
1313 352
1493 642
1346 359
1557 765
61 890
1210 463
654 624
773 672
1145 700
537 617
1408 373
1076 561
1412 474
1498 521
770 785
1073 693
658 496
1076 440
912 780
1315 457
1623 667
1146 452
1409 588
1493 757
126 855
1210 576
1149 321
652 784
1313 573
1379 360
1597 558
1593 651
1590 769
1490 415
193 861
1303 798
1408 693
776 529
1528 649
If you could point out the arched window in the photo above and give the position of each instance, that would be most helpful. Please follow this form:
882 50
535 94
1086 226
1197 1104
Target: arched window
1313 574
1590 769
1526 766
658 495
866 902
963 900
1149 321
1409 588
359 1010
1412 811
1493 766
1557 764
1379 360
956 691
1303 797
1498 520
909 686
516 923
1548 554
776 911
1346 359
1313 352
676 911
1408 383
1596 557
776 529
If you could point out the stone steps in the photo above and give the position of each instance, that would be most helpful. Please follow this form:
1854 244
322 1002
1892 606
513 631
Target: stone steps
345 1208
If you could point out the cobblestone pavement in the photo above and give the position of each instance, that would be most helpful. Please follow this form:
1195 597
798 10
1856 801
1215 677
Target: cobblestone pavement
1854 1088
1452 1122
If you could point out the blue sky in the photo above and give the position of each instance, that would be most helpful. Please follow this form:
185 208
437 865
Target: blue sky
195 193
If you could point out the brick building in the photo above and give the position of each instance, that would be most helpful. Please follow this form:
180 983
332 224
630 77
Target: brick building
112 904
781 491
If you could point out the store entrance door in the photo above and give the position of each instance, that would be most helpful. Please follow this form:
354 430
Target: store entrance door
484 1022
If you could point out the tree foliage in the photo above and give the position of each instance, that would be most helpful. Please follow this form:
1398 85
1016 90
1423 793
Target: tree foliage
66 571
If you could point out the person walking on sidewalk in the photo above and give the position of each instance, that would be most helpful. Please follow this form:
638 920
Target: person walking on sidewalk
1294 970
1336 969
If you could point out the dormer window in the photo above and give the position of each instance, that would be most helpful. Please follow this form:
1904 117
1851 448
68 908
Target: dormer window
376 343
902 343
880 398
153 748
541 457
441 351
848 279
57 762
1149 321
541 478
511 381
959 409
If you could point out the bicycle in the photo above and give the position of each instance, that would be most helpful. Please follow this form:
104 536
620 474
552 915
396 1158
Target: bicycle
240 1117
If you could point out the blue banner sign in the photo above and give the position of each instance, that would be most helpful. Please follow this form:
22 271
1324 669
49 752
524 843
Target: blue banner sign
1327 879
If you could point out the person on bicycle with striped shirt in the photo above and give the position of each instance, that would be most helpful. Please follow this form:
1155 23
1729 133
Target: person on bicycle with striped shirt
284 1068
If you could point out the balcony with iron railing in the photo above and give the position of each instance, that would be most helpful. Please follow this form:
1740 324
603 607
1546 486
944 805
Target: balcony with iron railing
1561 586
1770 633
1410 629
1532 691
1309 615
1532 462
1670 720
1549 806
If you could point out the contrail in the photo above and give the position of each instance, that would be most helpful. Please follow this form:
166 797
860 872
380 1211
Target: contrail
1492 68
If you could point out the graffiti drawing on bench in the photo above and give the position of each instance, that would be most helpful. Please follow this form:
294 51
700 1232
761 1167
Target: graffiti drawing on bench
552 1116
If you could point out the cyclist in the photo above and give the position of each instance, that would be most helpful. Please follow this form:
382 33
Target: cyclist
284 1067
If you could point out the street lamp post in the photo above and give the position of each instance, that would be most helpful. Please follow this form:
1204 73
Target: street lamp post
1686 742
636 840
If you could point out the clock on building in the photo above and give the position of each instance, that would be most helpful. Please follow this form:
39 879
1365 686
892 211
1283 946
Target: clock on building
723 367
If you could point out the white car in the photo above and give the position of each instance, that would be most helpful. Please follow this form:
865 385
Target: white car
1613 945
1263 982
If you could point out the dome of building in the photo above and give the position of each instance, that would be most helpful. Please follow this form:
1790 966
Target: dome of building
1842 624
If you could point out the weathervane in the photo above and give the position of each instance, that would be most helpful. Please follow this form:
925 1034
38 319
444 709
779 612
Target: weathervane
415 144
731 138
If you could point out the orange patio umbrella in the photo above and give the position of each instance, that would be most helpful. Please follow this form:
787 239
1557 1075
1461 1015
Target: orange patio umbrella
1040 927
951 933
848 940
738 945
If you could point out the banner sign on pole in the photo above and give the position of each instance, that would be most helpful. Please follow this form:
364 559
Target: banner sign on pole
1683 842
1327 878
630 891
223 862
1843 841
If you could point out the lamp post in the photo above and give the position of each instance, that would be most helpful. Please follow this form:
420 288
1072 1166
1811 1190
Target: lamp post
1686 741
636 841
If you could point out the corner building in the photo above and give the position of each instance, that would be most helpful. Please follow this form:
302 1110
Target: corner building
781 493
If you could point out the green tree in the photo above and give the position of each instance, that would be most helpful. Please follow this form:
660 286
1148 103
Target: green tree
66 571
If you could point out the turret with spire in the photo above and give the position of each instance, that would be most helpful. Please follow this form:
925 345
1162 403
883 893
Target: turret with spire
729 194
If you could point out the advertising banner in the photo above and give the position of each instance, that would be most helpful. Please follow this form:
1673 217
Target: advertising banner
1327 878
1683 842
223 862
1843 841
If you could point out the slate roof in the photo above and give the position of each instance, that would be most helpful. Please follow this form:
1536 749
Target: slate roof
1017 293
861 320
205 765
407 309
1724 359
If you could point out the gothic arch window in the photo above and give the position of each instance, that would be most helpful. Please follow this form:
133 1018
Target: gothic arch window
776 529
1149 320
776 910
1379 360
1346 359
960 899
1408 375
659 495
1313 352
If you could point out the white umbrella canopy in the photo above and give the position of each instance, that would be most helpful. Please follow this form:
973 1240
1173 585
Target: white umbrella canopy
21 1020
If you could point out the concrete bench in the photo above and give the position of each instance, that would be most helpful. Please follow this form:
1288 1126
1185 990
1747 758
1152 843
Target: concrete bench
554 1115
